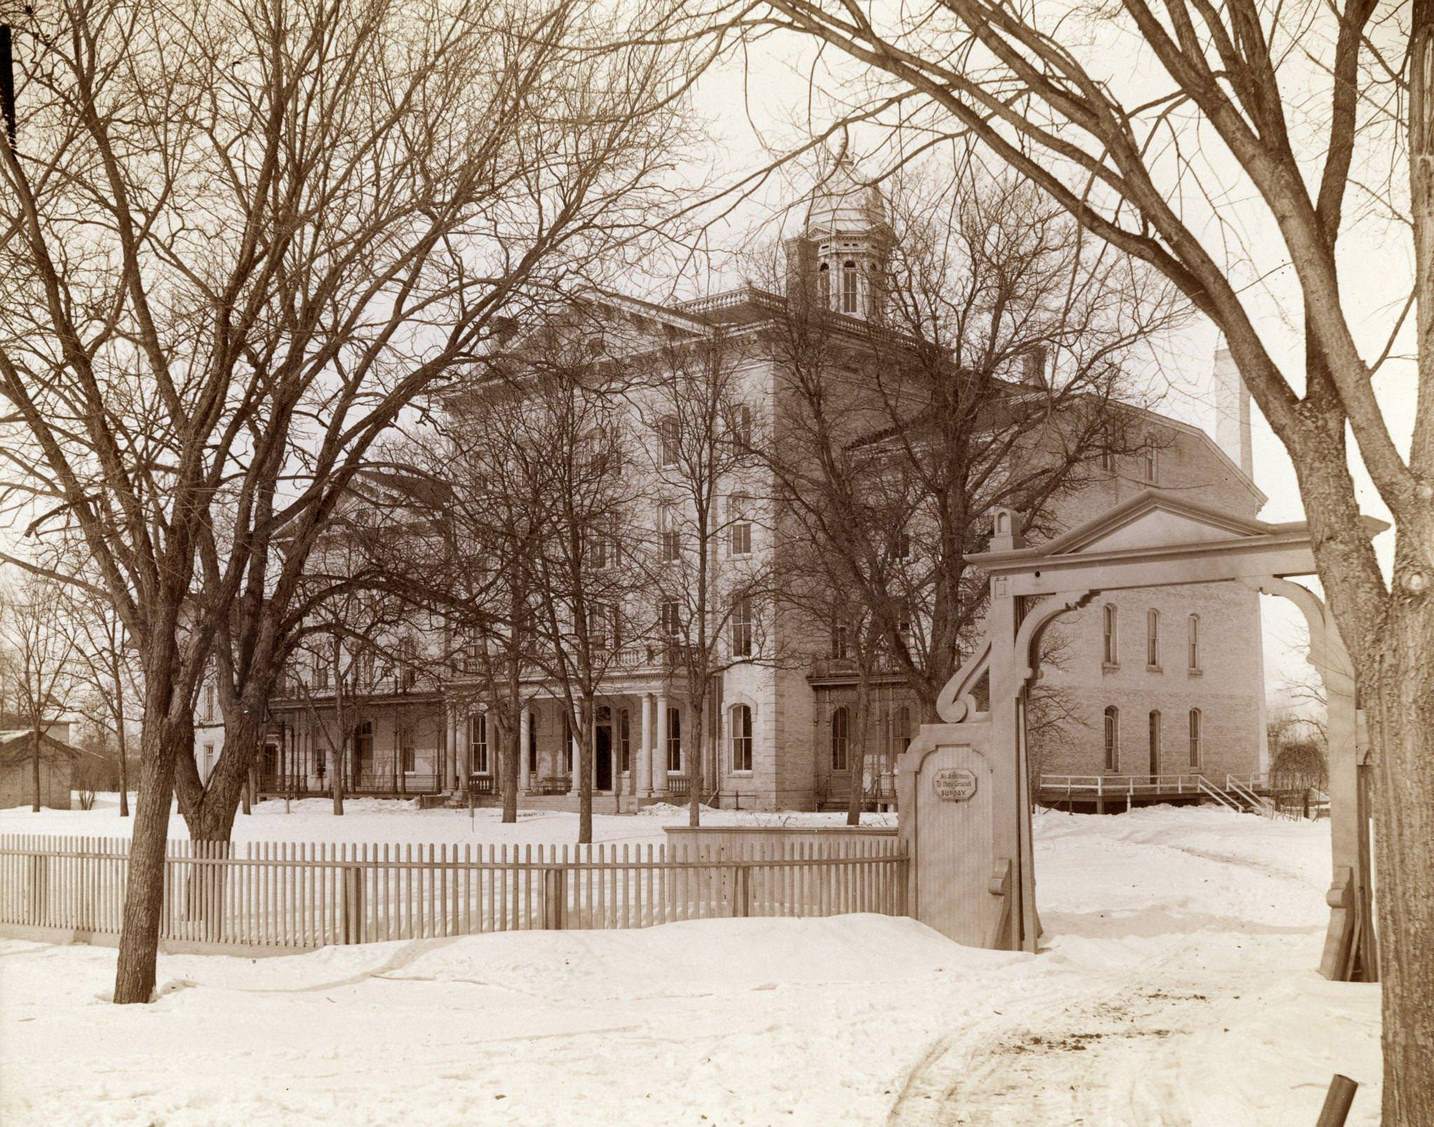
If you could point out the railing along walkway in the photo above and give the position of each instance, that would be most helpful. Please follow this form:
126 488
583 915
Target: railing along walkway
299 896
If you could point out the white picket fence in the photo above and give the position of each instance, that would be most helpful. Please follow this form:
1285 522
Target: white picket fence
299 896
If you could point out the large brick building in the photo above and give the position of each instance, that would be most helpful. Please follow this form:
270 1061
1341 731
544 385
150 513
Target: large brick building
1149 682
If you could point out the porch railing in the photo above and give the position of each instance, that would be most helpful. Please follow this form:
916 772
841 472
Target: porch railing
296 896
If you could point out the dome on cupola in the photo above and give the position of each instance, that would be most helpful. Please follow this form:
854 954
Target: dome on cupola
839 259
842 205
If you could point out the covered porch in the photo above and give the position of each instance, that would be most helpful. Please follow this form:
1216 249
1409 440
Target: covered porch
639 746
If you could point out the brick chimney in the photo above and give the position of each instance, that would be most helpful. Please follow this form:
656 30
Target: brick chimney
1232 412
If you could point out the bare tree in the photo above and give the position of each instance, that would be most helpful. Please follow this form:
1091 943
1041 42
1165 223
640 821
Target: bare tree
711 574
239 241
582 575
1232 126
471 528
106 673
988 374
41 658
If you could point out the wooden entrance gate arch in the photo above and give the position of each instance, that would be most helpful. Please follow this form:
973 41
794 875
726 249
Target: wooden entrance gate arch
973 875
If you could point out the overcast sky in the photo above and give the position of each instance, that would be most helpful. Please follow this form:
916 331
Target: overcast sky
765 101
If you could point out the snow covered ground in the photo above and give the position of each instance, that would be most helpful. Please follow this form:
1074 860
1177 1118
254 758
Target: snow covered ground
1177 986
400 820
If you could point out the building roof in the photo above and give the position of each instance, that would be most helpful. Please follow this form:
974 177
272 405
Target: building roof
841 204
15 747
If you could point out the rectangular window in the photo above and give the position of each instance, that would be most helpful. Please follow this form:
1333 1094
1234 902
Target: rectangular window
599 552
1195 737
740 423
740 627
624 740
671 619
602 626
478 744
567 743
1152 638
1152 459
841 637
407 667
674 742
209 702
1194 642
667 434
1110 655
407 753
533 743
321 672
670 538
739 528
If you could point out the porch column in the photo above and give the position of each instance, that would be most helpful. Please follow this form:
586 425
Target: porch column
659 749
525 726
644 748
577 762
455 756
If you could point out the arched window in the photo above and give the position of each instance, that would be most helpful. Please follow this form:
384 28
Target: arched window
741 738
1193 643
848 287
824 283
1110 654
1112 738
1152 638
841 728
478 744
1195 737
1155 741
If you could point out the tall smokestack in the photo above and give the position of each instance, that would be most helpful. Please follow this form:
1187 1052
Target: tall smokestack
1232 412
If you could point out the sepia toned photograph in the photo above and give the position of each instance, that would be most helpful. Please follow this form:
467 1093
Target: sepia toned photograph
722 563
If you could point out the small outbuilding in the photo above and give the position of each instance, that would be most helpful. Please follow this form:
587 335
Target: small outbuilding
17 777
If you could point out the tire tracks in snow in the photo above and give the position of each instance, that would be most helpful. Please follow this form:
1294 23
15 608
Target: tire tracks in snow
1111 1056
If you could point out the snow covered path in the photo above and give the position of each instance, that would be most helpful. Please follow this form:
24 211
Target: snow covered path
1178 986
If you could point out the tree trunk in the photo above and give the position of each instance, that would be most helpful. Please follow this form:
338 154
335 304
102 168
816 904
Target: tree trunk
694 767
123 749
209 808
144 885
1400 710
855 792
35 767
508 765
1402 696
585 774
337 775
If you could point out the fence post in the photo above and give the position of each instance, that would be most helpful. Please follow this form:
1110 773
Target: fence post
741 891
39 889
353 903
554 898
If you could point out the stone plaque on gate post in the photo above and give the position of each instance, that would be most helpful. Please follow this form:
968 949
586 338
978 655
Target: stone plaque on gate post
949 792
